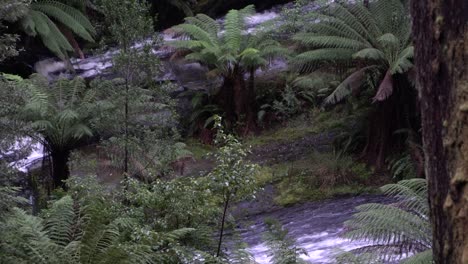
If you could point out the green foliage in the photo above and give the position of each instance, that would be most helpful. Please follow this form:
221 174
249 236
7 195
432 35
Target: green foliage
9 199
12 98
182 202
227 52
128 22
94 226
396 230
402 167
10 11
139 120
319 176
60 113
281 247
374 43
233 176
223 52
45 17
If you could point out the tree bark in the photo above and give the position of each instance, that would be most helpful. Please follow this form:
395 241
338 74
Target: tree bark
238 101
441 39
72 40
60 170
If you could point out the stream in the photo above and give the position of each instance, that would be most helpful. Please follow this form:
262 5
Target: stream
316 227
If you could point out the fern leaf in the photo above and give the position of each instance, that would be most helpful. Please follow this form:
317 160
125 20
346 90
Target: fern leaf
56 10
60 220
233 27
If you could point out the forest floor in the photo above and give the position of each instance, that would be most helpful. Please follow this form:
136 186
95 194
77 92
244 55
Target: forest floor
298 164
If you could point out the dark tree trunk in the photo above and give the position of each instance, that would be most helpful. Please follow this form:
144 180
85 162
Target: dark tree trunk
225 99
60 170
395 113
441 39
238 101
72 40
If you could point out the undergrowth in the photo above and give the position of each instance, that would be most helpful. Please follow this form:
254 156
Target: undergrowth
320 176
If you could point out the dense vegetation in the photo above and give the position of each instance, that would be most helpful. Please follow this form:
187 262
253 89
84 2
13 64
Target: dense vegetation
319 101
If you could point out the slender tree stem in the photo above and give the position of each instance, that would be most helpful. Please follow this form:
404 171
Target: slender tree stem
226 203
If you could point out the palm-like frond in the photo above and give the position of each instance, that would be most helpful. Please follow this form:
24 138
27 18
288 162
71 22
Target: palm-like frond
420 258
38 21
60 221
395 230
59 113
348 35
220 50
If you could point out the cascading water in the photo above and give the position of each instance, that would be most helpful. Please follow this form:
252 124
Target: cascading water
317 227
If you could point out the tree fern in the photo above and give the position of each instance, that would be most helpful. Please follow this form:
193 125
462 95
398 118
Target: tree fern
395 230
352 36
61 114
38 21
229 52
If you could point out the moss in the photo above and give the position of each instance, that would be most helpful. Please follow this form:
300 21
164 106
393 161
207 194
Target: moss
198 149
313 122
297 193
320 176
264 176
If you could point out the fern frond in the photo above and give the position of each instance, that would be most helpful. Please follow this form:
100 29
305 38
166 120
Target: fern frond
321 41
403 63
195 32
404 227
206 23
420 258
352 83
369 54
233 27
314 57
60 220
68 16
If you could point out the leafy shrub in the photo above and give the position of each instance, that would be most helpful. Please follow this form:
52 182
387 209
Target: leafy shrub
281 247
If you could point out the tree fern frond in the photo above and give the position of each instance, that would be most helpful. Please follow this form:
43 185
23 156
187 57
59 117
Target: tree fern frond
342 12
352 83
195 32
323 41
66 15
369 54
403 63
317 56
233 27
206 23
60 220
420 258
388 227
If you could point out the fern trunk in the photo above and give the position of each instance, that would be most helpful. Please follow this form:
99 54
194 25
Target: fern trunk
60 170
238 101
397 112
72 40
441 36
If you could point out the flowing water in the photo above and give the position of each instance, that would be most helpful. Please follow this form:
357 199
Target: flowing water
317 227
